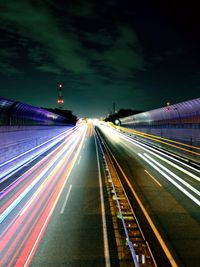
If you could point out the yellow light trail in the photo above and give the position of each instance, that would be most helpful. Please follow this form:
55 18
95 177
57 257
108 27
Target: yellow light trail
159 139
153 227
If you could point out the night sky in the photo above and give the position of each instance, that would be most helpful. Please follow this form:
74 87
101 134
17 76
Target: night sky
138 54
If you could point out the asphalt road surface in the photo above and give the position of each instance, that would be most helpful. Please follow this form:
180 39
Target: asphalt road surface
168 191
74 236
54 214
51 215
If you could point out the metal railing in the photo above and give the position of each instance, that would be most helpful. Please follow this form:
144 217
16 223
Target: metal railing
138 246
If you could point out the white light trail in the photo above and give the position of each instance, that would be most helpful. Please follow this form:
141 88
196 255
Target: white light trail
150 150
31 200
171 180
17 166
174 175
9 209
177 167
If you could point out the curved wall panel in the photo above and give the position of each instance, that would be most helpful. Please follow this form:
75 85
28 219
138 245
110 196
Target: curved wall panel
183 113
16 113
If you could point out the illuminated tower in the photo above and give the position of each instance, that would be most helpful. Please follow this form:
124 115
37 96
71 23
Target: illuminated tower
60 100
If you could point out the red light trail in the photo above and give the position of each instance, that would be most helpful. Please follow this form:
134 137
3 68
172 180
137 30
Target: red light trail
25 223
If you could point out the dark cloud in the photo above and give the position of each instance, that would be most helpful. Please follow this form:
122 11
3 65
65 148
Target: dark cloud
49 68
8 69
125 54
6 66
133 53
81 8
38 24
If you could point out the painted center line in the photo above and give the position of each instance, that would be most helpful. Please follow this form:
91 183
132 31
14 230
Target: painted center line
65 202
79 160
153 178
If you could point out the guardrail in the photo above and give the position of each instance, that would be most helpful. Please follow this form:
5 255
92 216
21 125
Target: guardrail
138 246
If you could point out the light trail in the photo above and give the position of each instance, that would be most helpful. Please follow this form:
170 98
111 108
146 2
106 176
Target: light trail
28 151
152 150
25 191
43 147
188 194
59 162
54 204
152 225
177 167
181 179
149 150
23 233
19 180
31 200
174 175
165 141
11 186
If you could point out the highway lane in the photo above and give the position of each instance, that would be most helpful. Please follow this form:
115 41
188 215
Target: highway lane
28 203
74 236
168 190
11 190
27 152
190 151
54 213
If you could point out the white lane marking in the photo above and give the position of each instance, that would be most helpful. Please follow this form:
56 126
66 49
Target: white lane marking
105 234
9 209
153 227
155 180
174 175
27 263
150 150
79 160
65 202
171 180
